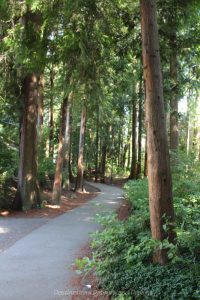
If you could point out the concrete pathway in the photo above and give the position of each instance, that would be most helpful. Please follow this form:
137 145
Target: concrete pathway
37 267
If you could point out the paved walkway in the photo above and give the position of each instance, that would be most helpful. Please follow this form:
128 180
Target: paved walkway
37 266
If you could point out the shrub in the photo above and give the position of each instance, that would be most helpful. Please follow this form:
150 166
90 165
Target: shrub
122 251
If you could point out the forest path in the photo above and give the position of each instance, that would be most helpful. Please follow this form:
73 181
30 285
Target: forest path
38 265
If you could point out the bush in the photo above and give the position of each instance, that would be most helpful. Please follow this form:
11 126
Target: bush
46 169
122 251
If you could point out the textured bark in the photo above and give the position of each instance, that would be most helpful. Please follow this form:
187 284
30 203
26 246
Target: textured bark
51 117
174 132
67 144
124 155
134 144
63 139
140 114
40 120
71 176
129 156
79 180
159 175
145 160
97 146
103 161
28 188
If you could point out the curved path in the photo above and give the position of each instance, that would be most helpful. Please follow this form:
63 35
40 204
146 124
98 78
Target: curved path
37 266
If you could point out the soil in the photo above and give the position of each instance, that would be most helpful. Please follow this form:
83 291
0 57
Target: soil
69 201
85 286
124 211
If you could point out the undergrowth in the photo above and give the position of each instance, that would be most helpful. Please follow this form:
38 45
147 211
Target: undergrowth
122 251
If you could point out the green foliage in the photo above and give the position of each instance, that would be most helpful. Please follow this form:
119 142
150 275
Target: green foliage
9 164
46 170
84 265
123 251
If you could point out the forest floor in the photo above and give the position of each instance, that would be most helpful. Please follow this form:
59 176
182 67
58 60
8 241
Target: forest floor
69 201
37 264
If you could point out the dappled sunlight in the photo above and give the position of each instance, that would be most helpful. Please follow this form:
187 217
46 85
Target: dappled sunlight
53 206
112 202
88 219
4 230
4 213
29 177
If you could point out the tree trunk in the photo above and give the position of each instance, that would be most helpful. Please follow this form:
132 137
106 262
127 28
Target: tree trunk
159 174
28 188
64 132
40 120
97 146
51 117
79 180
174 132
67 145
134 146
124 156
103 162
145 160
139 161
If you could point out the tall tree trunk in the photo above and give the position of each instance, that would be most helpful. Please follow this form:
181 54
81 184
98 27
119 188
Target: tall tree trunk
71 177
28 188
188 140
129 156
79 180
134 145
97 145
174 132
64 132
159 174
127 159
51 116
40 116
139 161
145 160
103 161
124 155
67 145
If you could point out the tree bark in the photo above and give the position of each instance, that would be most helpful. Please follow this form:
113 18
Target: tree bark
103 161
79 179
140 114
97 145
159 174
67 144
51 116
63 141
27 195
145 160
40 120
134 145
